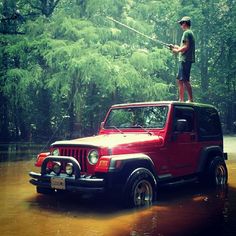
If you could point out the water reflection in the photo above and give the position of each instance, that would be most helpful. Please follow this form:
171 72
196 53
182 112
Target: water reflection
180 210
19 151
189 213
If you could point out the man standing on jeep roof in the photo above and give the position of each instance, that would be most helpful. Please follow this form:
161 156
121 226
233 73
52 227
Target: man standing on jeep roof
186 52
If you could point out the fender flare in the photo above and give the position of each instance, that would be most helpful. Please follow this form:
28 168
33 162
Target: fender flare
204 156
122 166
132 162
140 171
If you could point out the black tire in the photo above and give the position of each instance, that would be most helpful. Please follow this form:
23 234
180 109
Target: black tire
217 174
45 190
140 190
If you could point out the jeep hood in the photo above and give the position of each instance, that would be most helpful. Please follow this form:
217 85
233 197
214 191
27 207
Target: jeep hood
111 140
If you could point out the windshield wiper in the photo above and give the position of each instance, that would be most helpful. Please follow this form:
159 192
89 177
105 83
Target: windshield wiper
140 126
116 129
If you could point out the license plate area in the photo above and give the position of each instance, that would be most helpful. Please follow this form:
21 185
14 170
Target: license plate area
58 183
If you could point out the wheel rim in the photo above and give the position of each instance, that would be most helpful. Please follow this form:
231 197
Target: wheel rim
220 175
143 193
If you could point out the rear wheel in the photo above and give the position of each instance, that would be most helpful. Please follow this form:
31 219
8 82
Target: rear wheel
218 174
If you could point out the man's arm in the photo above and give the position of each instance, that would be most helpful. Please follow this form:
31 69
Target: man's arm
183 49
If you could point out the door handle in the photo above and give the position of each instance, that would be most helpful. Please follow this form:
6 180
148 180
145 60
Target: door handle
192 137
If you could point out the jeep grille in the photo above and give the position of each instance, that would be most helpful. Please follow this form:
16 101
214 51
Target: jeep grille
80 154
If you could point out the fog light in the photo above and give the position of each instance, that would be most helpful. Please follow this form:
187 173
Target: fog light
69 168
56 168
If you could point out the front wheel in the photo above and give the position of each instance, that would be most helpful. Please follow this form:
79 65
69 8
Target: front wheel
143 193
140 190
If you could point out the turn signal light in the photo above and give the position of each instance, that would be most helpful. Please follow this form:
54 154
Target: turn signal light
103 165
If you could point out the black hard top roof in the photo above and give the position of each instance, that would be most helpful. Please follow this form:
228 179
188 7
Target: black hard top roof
153 103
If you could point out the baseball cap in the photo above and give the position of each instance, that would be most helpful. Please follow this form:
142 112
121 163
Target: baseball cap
185 19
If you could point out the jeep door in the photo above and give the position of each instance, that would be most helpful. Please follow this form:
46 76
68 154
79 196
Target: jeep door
182 145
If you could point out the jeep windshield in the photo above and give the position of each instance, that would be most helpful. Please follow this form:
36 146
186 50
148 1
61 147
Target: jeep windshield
137 117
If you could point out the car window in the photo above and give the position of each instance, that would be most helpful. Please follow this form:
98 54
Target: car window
209 124
186 113
136 117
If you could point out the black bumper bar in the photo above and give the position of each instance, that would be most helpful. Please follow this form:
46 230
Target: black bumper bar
83 184
77 182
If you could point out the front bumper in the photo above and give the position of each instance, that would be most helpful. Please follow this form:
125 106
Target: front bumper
64 182
77 182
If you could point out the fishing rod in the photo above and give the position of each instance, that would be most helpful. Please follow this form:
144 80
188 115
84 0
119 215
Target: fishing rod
140 33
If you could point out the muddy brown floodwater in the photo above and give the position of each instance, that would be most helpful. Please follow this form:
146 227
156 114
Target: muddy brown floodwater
180 210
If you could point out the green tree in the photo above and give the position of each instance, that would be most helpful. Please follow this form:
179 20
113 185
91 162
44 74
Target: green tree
64 63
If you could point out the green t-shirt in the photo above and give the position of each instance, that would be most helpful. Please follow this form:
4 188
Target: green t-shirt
189 55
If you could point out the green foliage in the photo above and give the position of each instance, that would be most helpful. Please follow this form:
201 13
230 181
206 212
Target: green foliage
63 65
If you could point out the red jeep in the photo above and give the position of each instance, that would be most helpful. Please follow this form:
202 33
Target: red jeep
140 146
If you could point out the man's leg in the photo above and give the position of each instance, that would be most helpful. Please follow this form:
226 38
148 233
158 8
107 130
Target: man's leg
181 90
189 91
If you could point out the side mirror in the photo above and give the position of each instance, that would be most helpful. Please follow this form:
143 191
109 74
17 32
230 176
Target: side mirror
181 125
102 125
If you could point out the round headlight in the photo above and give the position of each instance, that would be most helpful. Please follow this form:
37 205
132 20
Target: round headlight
69 168
56 168
56 152
93 157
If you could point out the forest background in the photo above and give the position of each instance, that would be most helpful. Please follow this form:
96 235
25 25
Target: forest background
63 63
